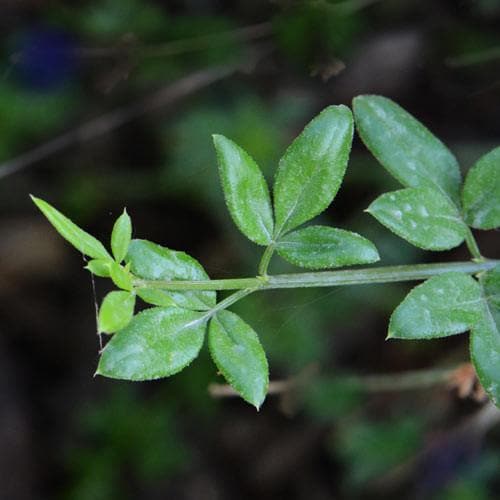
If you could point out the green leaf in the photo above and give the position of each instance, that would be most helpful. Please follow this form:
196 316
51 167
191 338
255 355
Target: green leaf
99 267
444 305
117 309
158 342
156 297
121 236
485 351
311 171
485 337
238 354
481 192
407 149
491 285
81 240
121 276
245 191
320 247
154 262
422 216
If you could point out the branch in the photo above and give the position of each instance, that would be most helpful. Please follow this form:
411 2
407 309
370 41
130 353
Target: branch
363 276
118 117
405 381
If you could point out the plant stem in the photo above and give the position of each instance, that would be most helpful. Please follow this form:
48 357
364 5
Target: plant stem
472 245
228 301
391 382
266 259
361 276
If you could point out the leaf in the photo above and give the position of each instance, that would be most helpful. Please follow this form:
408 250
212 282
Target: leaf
481 192
158 342
422 216
99 267
485 351
491 285
156 297
117 309
245 191
407 149
121 236
238 354
121 276
81 240
444 305
485 337
154 262
320 247
311 171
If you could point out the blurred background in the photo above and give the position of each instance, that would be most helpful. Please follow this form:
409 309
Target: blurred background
112 103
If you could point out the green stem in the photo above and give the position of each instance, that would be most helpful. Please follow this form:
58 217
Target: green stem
361 276
228 301
266 259
472 245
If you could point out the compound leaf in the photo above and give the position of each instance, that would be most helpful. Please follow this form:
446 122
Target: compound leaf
320 247
443 305
117 309
154 262
405 147
158 342
245 191
311 171
238 354
422 216
481 192
121 236
80 239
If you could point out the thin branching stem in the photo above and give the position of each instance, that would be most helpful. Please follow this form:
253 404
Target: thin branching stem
363 276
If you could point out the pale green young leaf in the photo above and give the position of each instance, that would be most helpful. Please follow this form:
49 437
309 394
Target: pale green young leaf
422 216
311 171
80 239
485 351
121 276
154 262
99 267
405 147
238 354
156 297
116 311
158 342
245 191
443 305
481 192
321 247
121 236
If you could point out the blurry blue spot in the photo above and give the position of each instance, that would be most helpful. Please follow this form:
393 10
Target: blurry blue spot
44 58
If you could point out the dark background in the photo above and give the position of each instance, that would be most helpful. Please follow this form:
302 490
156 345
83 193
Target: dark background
67 435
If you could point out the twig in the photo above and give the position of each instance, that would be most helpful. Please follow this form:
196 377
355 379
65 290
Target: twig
116 118
411 380
176 47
